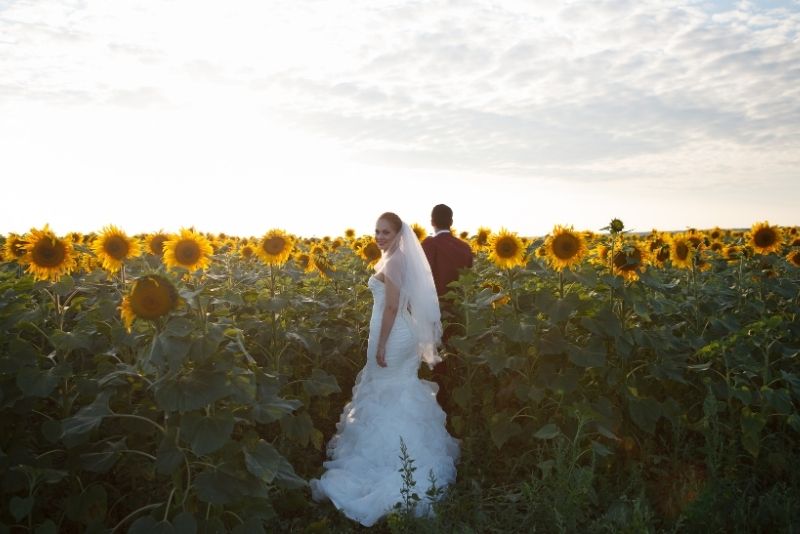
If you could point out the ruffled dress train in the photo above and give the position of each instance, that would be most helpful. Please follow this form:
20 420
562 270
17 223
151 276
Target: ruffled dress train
362 477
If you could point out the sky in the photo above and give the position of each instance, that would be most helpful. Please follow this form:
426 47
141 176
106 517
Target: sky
316 116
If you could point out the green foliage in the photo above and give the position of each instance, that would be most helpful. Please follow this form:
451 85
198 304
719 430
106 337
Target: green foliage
583 402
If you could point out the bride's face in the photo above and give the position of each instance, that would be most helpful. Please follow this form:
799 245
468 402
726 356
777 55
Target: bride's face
385 234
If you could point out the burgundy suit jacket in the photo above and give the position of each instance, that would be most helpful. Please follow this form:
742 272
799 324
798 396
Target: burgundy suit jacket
447 255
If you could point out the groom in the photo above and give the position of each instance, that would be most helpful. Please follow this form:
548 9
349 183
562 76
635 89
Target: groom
447 255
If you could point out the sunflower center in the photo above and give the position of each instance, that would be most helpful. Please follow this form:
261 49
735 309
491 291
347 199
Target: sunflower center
117 247
247 252
372 252
482 238
151 298
157 244
48 253
765 237
663 254
682 251
187 252
565 246
274 245
506 248
627 261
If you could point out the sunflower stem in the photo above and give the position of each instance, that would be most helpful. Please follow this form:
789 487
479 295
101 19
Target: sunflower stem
132 514
741 288
611 263
510 272
694 292
561 284
169 502
274 320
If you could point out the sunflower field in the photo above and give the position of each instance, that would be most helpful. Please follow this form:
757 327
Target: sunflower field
598 381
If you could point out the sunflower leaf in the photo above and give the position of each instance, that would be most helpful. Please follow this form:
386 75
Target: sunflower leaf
321 384
548 431
206 433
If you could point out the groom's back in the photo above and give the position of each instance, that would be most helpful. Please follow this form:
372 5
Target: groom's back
447 255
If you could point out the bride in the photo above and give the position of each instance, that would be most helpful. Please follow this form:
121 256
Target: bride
390 402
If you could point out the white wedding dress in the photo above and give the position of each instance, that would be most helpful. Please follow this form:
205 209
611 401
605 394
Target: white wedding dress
362 477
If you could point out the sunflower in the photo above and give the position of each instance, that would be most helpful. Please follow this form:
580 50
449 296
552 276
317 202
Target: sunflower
229 245
715 234
716 246
481 239
765 238
350 234
155 243
464 236
247 251
701 263
303 261
655 240
794 258
681 252
616 226
629 261
88 263
47 257
795 242
502 299
695 239
419 231
564 248
370 252
660 255
732 253
14 248
275 247
112 247
189 250
319 261
657 245
151 297
599 255
506 249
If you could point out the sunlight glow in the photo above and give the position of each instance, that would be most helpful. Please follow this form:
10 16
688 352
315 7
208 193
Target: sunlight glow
242 117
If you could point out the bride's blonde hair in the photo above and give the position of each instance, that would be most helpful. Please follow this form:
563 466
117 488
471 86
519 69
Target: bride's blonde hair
393 219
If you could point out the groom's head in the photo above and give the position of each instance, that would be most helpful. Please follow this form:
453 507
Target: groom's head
442 217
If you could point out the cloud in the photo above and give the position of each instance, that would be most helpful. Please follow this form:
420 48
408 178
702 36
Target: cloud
139 98
591 83
580 91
